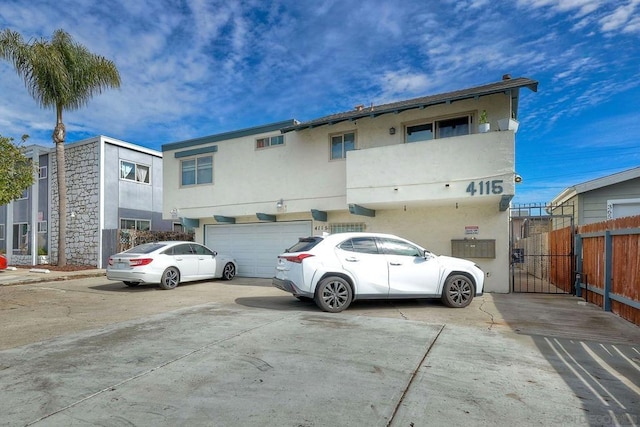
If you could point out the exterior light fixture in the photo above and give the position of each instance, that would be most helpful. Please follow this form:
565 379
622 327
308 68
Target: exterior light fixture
280 204
517 178
392 130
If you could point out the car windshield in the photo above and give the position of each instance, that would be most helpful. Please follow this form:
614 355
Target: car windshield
145 248
304 244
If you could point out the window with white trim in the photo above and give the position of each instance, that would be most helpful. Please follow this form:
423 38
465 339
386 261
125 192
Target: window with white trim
134 172
42 172
341 143
135 224
270 141
196 171
42 226
24 195
437 129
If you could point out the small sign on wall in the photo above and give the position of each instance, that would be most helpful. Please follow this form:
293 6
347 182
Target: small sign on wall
471 229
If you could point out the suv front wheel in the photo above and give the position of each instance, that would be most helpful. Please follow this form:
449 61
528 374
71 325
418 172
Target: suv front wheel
333 294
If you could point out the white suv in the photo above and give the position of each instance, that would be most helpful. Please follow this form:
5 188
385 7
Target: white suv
340 268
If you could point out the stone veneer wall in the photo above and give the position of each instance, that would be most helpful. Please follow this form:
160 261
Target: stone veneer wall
83 186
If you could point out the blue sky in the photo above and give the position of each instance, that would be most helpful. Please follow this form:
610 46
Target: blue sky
192 68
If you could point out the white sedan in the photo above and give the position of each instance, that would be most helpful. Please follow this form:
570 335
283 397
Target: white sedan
337 269
169 263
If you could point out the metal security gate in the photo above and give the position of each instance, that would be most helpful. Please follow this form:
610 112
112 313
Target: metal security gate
541 244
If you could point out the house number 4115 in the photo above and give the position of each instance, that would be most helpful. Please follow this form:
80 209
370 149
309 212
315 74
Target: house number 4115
485 187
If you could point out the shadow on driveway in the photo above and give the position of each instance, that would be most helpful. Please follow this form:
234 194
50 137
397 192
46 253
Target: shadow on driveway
597 354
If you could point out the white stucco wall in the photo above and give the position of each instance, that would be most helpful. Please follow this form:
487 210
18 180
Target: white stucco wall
248 181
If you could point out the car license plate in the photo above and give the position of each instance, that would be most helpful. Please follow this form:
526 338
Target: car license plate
122 265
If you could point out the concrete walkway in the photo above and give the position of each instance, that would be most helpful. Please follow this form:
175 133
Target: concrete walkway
244 353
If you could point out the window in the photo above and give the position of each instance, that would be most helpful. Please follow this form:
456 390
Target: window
398 247
342 143
197 171
1 231
185 249
453 127
134 172
363 245
21 237
24 195
346 227
135 224
42 226
201 250
270 141
423 132
444 128
304 244
42 172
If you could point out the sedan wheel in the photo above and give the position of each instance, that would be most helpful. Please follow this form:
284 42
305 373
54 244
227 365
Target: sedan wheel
458 291
333 294
170 278
229 271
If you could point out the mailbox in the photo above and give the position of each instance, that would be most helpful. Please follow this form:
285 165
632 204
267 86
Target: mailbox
473 248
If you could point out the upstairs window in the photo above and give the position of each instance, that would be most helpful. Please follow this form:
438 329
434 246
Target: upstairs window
453 127
270 141
42 172
422 132
134 172
342 143
444 128
196 171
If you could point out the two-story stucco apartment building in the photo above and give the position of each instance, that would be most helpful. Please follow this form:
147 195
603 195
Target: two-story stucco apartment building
111 185
418 168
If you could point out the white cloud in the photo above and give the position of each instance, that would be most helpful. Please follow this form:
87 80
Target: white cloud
624 17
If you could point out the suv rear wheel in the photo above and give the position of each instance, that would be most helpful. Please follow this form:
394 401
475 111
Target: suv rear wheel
333 294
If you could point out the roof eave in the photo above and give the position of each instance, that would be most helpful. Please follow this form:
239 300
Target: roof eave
423 102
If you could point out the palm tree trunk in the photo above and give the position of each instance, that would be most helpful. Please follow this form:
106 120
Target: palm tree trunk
59 135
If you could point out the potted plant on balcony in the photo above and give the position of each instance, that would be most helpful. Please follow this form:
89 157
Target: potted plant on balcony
43 257
484 125
509 123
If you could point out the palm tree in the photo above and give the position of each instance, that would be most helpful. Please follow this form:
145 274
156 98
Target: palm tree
64 75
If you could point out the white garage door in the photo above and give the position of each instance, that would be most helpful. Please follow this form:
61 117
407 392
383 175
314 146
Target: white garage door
255 246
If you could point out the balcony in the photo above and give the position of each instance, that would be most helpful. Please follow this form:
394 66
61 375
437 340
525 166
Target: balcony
477 168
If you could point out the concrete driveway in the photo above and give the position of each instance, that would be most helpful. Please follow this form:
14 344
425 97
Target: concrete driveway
92 352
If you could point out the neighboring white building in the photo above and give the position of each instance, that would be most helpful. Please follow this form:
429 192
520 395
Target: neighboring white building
417 168
612 196
111 185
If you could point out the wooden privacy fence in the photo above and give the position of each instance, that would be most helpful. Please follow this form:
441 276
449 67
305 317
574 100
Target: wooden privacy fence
561 253
608 266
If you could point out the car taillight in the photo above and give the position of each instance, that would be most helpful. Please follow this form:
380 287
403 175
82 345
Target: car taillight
296 258
139 261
